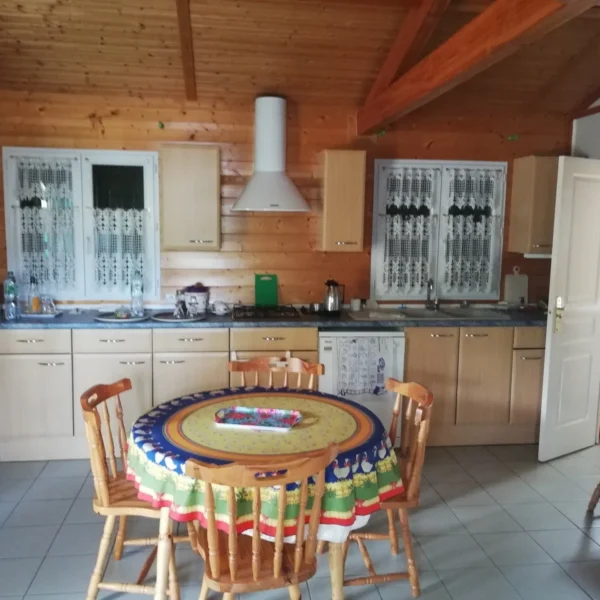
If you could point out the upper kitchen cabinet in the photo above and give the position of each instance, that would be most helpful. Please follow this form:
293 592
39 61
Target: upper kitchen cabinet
343 200
190 197
532 204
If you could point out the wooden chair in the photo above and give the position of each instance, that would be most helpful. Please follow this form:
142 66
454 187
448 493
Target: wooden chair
274 364
243 563
413 404
115 495
594 499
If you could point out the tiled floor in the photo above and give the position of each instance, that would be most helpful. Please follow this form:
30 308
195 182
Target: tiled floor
494 524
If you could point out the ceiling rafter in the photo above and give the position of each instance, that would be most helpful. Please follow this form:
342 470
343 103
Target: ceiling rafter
187 48
499 31
415 31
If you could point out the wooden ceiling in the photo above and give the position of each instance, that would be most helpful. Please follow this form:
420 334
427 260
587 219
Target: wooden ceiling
313 51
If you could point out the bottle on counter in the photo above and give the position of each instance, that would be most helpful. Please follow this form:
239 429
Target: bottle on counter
137 295
34 301
11 298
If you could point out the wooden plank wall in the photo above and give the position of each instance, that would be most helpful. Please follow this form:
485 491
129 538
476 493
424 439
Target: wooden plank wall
286 245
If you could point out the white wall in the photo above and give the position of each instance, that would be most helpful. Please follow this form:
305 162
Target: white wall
586 136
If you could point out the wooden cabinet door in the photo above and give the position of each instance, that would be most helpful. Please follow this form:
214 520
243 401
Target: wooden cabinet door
432 360
526 387
190 216
92 369
343 200
544 200
484 366
37 396
180 373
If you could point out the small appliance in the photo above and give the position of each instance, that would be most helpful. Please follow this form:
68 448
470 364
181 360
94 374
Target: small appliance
334 297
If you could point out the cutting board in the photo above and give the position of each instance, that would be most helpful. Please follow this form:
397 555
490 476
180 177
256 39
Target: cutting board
265 289
516 287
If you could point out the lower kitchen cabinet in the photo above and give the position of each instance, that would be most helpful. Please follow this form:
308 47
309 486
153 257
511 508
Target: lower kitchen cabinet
37 397
92 369
526 387
180 373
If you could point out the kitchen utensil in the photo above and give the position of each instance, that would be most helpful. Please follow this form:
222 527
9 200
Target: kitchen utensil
355 304
111 317
516 287
220 308
315 307
44 316
265 289
168 317
48 307
334 296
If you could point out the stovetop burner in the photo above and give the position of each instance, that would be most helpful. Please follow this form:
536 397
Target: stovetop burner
248 312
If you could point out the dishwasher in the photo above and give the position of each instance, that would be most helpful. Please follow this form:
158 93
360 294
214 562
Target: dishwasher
357 363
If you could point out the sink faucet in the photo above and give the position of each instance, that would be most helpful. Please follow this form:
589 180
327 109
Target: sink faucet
431 304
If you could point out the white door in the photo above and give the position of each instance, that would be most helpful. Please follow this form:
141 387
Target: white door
569 419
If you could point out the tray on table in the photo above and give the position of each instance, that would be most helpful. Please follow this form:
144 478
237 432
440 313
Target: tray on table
262 419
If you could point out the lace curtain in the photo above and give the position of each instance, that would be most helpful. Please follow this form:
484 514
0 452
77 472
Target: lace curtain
46 219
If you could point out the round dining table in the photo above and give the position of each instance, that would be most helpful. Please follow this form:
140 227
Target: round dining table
364 473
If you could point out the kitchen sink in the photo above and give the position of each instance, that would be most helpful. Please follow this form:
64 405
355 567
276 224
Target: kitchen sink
475 313
423 313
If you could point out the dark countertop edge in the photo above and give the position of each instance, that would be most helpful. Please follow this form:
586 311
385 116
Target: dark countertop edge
342 323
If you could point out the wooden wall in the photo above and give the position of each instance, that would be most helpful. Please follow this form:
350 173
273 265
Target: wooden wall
286 245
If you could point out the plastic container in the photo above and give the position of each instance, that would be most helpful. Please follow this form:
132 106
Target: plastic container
137 295
11 298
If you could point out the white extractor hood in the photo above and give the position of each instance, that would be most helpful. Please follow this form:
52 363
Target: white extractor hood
270 189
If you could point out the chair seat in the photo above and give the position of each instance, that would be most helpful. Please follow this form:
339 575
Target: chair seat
244 581
123 500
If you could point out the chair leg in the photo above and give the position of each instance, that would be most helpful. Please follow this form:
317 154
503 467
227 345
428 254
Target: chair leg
392 531
109 525
193 535
173 581
413 573
294 591
228 596
321 546
147 566
594 499
204 589
118 552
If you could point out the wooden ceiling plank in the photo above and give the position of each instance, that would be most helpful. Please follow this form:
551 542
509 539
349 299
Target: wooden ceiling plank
414 33
187 48
499 31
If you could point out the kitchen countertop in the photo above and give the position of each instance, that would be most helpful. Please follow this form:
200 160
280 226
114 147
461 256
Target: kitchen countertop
85 320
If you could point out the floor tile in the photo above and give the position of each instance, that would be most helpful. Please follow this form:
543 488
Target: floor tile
320 589
75 597
437 520
66 468
468 455
543 582
5 509
534 471
17 575
527 452
576 465
567 546
485 472
64 575
478 584
21 470
586 575
73 540
586 483
516 548
486 519
26 542
463 494
190 566
279 594
12 490
55 488
576 511
512 491
445 473
87 491
39 512
454 552
438 455
81 511
431 589
538 516
562 491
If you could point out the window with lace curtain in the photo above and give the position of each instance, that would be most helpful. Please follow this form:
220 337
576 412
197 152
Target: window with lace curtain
82 222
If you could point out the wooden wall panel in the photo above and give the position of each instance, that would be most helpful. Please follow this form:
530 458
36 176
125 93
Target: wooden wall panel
286 245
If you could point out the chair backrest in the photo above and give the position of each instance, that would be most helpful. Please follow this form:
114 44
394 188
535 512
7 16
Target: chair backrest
96 415
297 368
413 404
256 476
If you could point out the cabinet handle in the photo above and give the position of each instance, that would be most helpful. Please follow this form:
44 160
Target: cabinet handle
51 364
191 339
30 341
542 245
346 243
201 241
172 362
132 362
273 339
442 335
476 335
531 358
112 341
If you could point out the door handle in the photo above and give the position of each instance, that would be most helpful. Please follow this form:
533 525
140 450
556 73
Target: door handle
112 341
51 364
273 339
191 339
30 341
172 362
442 335
542 245
477 335
531 358
559 308
201 241
346 243
132 362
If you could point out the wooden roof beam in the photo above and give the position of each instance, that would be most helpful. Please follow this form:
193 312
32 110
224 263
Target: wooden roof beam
415 31
499 31
187 48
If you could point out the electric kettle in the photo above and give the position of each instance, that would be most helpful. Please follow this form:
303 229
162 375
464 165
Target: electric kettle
334 297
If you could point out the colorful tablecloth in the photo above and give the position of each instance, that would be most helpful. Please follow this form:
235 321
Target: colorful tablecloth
364 473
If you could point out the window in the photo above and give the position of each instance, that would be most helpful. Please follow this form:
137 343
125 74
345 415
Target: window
82 222
440 221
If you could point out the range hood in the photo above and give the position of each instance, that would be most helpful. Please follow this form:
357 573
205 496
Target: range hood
270 189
